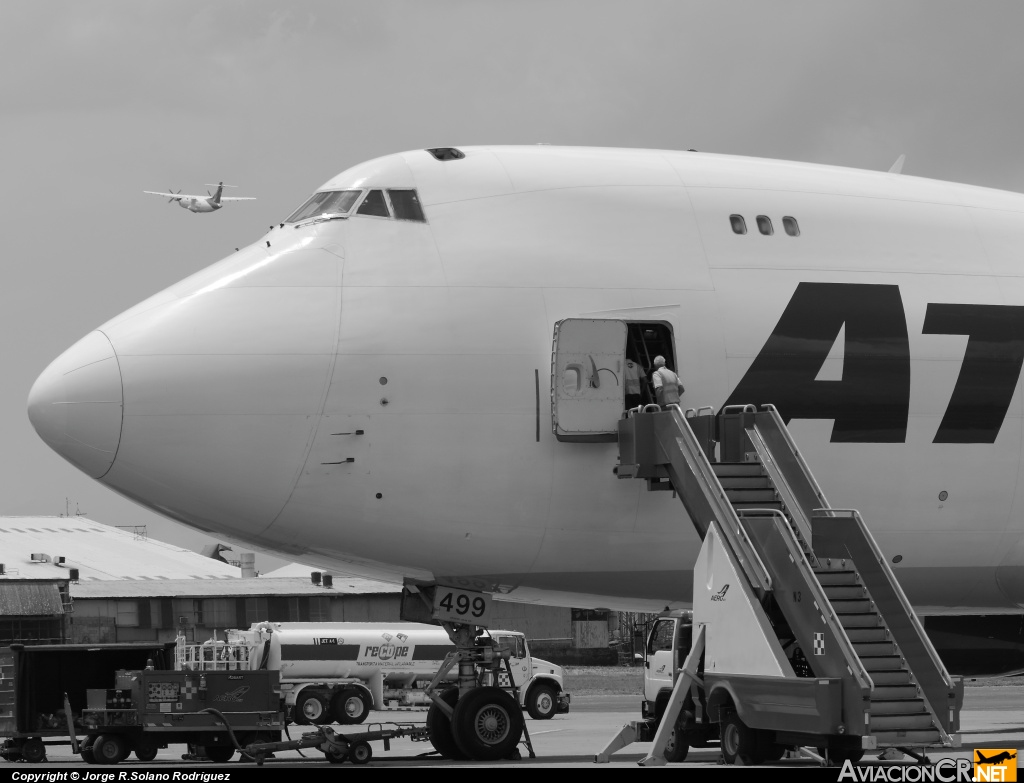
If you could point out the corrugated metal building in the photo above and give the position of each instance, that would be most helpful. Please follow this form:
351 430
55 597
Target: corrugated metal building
32 610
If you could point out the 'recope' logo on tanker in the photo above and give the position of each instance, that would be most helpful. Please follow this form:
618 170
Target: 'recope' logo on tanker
391 650
995 764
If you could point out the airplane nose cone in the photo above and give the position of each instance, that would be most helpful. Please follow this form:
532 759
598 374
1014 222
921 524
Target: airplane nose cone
76 405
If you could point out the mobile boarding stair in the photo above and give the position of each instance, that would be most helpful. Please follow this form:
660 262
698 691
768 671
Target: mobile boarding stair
802 636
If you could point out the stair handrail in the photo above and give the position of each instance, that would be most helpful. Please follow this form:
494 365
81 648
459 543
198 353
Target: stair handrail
895 584
853 661
741 531
784 430
778 478
701 469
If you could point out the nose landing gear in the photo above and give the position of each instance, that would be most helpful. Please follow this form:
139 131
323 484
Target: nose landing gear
480 718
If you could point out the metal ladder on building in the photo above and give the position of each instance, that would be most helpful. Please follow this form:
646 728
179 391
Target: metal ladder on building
817 572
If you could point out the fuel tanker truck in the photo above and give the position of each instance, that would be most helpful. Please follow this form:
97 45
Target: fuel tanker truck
338 672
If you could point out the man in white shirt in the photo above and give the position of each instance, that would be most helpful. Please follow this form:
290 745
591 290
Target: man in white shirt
667 387
634 376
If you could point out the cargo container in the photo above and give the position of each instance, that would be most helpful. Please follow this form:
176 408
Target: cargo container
34 680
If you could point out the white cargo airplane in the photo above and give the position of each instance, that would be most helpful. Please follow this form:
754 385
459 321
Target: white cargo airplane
207 203
369 387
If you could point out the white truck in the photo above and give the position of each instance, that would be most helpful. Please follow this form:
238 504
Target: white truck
341 671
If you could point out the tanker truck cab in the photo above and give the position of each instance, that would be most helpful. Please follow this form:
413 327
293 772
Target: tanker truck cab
541 684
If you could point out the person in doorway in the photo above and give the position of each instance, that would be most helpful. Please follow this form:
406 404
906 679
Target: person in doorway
667 387
634 378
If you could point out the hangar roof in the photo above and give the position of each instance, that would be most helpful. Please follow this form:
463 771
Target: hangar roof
99 552
229 588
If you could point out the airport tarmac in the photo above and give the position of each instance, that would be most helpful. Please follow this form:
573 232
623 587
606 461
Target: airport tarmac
992 717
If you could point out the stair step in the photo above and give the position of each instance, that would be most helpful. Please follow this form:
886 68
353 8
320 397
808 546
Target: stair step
871 649
884 693
898 707
864 620
751 495
833 577
903 739
897 678
841 592
737 469
901 722
737 504
853 606
871 634
745 482
882 663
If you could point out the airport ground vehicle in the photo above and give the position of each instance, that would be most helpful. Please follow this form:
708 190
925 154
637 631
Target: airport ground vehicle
800 634
148 709
338 672
36 679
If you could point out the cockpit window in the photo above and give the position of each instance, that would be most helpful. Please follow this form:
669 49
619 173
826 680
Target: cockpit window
374 204
328 202
406 205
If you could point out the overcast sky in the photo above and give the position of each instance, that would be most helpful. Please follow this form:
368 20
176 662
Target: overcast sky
101 100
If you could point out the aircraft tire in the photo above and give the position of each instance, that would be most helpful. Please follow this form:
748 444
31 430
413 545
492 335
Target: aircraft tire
487 724
439 728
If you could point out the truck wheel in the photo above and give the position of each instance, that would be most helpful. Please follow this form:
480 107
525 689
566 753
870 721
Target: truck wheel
335 756
350 705
220 754
33 750
309 708
676 747
739 742
360 752
541 702
838 755
487 724
439 728
146 748
109 749
85 750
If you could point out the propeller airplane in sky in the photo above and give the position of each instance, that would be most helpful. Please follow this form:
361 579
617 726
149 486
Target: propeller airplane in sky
205 203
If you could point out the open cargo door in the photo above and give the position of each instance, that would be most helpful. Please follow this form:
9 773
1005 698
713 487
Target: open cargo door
587 392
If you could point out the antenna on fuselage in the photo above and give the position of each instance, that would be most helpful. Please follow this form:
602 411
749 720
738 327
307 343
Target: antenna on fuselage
897 167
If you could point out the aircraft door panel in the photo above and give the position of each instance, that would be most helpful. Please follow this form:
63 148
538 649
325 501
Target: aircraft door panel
587 392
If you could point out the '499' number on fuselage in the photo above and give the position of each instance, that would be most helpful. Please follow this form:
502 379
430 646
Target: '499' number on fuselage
461 606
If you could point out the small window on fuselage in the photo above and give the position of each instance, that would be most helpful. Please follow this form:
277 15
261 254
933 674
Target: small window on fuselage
764 225
739 225
791 226
374 204
406 205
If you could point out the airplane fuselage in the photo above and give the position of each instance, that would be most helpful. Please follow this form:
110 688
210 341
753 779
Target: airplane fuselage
374 394
199 204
